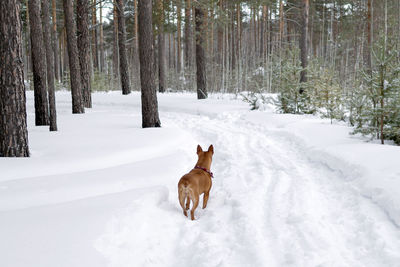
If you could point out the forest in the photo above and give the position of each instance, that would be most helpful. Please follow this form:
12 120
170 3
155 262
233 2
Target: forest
339 59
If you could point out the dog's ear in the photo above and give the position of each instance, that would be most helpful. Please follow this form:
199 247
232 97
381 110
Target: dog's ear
199 149
211 149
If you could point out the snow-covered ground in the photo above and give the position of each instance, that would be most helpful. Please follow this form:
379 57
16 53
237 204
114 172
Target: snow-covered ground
288 190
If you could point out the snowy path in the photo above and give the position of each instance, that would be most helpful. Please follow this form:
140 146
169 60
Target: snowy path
269 206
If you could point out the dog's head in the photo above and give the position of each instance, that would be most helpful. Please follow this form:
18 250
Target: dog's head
205 157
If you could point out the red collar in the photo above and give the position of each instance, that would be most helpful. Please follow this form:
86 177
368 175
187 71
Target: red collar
204 169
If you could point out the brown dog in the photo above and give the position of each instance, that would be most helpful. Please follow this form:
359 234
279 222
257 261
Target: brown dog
196 182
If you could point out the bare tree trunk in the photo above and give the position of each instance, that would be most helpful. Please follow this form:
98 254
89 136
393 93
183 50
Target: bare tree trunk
73 58
28 63
262 39
115 42
94 37
369 38
220 38
281 24
123 58
200 55
82 20
136 25
65 52
303 42
55 42
148 96
179 19
50 66
39 64
161 48
13 130
188 34
233 37
102 64
173 51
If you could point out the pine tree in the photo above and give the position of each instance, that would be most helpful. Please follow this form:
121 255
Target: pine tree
73 58
148 95
82 22
303 42
39 64
123 57
13 130
50 64
161 48
382 86
200 54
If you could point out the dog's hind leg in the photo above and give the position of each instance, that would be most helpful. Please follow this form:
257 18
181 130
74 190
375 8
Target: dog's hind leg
188 203
205 199
182 197
195 204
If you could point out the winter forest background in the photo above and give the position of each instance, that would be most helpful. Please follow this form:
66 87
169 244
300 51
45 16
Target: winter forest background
338 59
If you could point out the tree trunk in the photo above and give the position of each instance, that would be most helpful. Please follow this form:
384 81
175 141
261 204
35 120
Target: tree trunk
178 25
262 32
200 55
102 64
161 48
94 37
136 25
303 42
369 38
115 42
50 66
73 58
281 24
123 59
39 64
55 42
220 38
13 130
188 34
148 95
82 21
233 38
28 63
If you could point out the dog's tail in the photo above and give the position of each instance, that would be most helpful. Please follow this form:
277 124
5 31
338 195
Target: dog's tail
185 188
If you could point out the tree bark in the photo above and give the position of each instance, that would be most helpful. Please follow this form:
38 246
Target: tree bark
188 34
50 66
82 21
39 64
178 25
13 130
369 38
94 37
102 64
115 43
220 38
262 32
233 38
303 42
73 58
55 42
200 55
161 48
148 95
123 58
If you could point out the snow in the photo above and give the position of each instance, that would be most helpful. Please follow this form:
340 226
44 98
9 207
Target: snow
289 190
